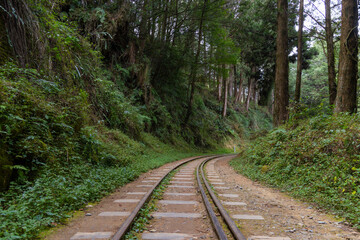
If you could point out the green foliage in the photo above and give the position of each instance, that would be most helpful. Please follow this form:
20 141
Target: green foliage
55 193
93 105
39 120
315 159
314 86
60 189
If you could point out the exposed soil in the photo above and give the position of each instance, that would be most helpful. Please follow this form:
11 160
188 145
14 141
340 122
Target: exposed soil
284 216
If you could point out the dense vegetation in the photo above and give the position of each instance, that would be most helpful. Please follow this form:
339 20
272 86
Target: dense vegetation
88 101
316 159
92 93
77 74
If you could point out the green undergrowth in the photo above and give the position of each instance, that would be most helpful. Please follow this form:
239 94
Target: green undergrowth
75 124
144 216
315 159
58 191
59 153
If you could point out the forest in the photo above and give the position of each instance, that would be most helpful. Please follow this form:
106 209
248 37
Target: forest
95 92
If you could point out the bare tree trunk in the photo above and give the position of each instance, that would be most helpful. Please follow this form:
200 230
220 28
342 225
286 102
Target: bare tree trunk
243 95
253 91
153 22
218 86
210 69
235 83
299 56
240 91
226 90
330 54
347 84
164 23
195 65
231 81
250 88
280 114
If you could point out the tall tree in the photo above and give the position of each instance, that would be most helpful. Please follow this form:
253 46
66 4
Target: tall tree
330 54
348 59
195 64
226 91
299 49
282 65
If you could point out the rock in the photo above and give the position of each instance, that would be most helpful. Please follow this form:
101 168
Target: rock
88 214
89 206
321 222
152 230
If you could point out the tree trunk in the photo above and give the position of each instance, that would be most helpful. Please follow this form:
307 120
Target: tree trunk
231 81
280 114
250 87
218 86
164 23
176 31
253 91
299 56
235 83
347 84
240 90
226 90
330 54
243 96
210 68
194 66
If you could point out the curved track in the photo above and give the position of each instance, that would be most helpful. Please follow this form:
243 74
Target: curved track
213 209
225 216
130 219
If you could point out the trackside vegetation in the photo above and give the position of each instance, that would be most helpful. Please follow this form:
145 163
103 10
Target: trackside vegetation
315 159
58 154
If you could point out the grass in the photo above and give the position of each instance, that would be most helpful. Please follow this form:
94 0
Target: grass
145 213
58 192
316 160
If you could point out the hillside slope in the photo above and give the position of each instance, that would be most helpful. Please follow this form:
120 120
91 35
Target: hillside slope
316 159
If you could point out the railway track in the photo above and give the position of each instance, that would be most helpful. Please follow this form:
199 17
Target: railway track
182 214
213 207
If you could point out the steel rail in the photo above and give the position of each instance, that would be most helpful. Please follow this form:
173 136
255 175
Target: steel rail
129 220
217 226
228 220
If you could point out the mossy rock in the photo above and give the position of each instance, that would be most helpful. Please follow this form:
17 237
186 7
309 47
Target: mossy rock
5 170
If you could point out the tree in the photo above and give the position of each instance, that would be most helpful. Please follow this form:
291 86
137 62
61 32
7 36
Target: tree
347 84
195 65
299 49
330 54
225 90
282 65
